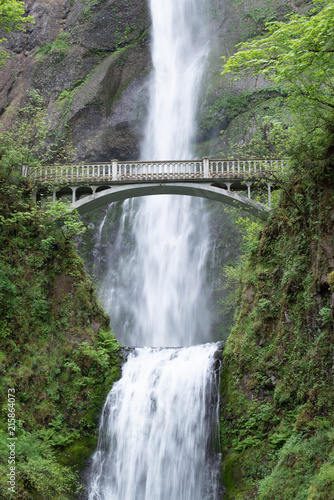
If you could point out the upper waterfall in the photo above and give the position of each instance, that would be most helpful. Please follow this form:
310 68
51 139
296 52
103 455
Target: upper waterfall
158 296
179 51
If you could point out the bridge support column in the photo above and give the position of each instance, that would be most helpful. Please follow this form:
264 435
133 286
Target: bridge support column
54 195
206 165
34 195
269 194
228 184
74 189
114 169
248 184
93 188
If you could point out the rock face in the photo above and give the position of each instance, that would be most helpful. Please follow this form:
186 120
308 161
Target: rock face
90 62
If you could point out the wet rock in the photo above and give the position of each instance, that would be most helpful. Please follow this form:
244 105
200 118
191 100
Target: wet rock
91 62
107 25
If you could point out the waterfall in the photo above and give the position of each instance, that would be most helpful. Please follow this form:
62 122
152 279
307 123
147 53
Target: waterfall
179 50
155 289
157 425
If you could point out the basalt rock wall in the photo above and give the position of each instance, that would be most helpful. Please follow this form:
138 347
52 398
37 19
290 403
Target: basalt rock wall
90 63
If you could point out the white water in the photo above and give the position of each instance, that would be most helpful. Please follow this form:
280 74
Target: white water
156 428
179 51
172 231
156 293
159 420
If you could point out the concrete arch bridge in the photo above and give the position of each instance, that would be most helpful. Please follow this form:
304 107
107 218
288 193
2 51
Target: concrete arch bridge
92 185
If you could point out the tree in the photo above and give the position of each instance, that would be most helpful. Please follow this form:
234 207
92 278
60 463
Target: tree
12 18
298 55
24 144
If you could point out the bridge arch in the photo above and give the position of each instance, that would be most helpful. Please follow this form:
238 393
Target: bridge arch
202 190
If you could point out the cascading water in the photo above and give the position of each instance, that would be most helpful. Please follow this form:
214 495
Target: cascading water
156 426
159 283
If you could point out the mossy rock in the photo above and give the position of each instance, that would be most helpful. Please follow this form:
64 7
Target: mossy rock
78 452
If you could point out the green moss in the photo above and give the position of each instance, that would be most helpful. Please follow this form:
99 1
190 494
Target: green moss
277 420
57 351
121 55
77 453
231 473
59 49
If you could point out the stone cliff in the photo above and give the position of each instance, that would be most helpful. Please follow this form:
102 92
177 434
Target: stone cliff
90 62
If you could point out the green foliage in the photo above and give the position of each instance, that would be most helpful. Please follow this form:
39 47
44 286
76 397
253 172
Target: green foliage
297 463
12 18
12 15
298 54
36 467
47 477
63 216
108 341
326 315
25 144
51 351
322 486
232 273
277 421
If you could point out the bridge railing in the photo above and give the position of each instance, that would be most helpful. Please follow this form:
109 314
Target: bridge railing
159 170
244 167
155 170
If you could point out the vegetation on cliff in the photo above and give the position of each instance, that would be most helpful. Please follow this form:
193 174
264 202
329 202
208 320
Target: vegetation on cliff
58 358
277 426
298 56
81 57
12 17
277 386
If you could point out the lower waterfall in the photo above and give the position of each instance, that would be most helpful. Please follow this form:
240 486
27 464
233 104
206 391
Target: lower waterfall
158 427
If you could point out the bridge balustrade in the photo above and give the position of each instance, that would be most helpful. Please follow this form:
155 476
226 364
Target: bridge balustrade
213 179
243 168
120 171
159 170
